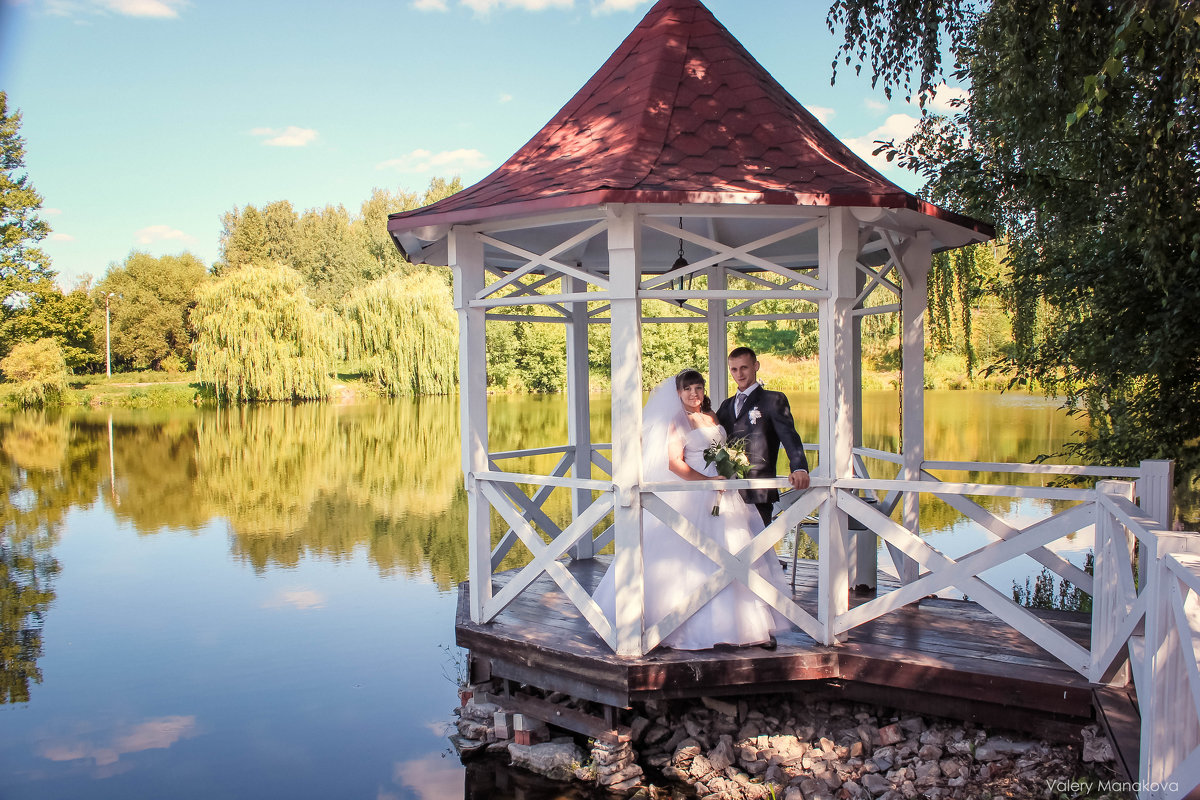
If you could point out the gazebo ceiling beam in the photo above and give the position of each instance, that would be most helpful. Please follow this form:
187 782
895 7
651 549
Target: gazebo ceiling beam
529 290
539 221
895 249
724 252
811 295
538 299
877 279
546 259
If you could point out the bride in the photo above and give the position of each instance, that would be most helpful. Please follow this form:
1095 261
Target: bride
678 425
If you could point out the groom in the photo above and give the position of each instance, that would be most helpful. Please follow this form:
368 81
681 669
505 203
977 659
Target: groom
764 419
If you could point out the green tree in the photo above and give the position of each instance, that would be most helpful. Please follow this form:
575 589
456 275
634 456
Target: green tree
260 338
243 238
1081 139
150 300
370 228
26 278
38 369
405 329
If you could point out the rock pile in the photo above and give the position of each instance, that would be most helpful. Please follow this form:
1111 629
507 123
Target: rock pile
792 747
786 748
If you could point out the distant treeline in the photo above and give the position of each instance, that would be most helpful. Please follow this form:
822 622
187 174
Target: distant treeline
298 297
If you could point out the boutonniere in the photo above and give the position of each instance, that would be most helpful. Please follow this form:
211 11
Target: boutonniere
755 415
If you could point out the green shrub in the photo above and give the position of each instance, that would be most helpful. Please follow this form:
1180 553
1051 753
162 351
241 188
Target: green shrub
39 371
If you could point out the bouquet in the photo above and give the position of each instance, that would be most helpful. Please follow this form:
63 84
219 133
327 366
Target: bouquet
731 462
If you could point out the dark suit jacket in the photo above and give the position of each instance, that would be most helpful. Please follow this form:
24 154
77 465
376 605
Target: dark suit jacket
764 432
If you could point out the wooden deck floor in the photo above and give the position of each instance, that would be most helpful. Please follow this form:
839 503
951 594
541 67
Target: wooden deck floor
947 657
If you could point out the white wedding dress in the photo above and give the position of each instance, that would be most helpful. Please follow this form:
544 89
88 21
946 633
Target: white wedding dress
675 570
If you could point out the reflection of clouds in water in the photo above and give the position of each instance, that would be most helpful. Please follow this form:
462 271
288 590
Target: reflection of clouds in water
153 734
440 727
432 777
302 599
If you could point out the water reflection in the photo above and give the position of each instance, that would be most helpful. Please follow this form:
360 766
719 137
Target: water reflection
324 482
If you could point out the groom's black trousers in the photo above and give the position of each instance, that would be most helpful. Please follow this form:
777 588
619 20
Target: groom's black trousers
764 511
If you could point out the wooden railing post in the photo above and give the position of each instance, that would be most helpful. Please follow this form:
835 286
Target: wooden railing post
624 240
1113 591
837 257
466 260
914 270
579 426
1170 729
1154 491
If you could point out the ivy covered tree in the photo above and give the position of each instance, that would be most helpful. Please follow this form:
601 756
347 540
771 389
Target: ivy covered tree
1081 140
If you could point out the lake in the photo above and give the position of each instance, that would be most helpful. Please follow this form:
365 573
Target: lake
260 602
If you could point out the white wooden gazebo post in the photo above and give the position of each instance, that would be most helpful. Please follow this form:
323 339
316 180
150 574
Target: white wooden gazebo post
624 262
579 429
466 260
837 258
914 300
718 337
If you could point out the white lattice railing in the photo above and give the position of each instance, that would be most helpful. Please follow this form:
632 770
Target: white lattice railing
1170 701
1162 601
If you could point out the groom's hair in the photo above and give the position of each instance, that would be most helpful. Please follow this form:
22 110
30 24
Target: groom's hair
691 377
738 352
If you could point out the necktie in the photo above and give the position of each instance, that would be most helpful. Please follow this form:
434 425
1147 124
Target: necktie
738 403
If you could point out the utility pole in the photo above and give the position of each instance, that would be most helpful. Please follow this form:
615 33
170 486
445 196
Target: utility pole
107 337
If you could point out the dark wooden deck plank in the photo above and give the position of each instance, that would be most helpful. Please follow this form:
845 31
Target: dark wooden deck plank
953 649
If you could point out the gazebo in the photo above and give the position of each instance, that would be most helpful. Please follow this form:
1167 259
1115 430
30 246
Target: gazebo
683 172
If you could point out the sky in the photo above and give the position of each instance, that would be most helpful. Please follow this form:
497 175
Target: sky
146 120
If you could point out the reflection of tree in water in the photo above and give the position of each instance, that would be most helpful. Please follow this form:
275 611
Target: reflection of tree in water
46 468
324 480
154 466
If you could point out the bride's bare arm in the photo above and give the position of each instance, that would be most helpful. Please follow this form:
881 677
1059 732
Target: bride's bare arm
676 463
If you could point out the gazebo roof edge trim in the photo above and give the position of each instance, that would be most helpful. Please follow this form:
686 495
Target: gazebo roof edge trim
399 224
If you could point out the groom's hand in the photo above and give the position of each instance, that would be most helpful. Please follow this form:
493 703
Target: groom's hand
799 479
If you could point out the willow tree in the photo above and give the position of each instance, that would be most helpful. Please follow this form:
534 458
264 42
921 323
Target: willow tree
259 337
1081 139
404 329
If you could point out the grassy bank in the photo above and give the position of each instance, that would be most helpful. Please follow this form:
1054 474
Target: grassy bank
150 389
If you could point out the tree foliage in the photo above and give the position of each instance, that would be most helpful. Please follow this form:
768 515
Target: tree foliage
404 330
150 301
260 338
1081 139
38 369
335 251
32 306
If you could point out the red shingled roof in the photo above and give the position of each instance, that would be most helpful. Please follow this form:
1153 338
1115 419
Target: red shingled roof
680 113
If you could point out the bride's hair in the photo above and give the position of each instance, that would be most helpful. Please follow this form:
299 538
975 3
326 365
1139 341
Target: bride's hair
690 377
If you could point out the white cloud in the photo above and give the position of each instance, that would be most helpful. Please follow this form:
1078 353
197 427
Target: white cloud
431 5
148 9
822 113
162 233
447 161
874 105
291 136
481 7
613 6
505 97
61 237
941 102
51 212
302 599
897 127
158 9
